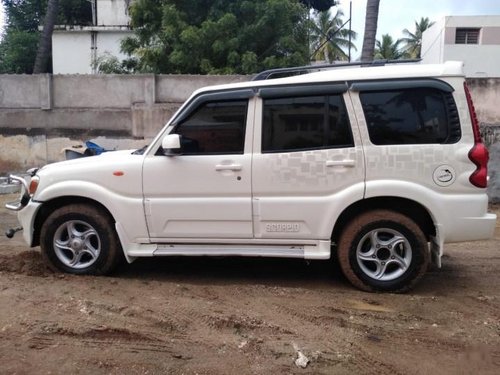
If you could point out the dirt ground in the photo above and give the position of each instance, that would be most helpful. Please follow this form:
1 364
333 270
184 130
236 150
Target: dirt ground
245 316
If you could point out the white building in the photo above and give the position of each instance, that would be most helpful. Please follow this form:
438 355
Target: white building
75 48
475 40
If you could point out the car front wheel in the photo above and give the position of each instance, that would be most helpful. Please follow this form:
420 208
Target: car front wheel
80 239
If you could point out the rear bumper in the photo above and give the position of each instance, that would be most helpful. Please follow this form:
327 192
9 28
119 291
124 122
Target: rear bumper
472 228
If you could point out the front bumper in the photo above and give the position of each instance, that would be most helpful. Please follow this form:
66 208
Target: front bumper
25 197
26 218
26 209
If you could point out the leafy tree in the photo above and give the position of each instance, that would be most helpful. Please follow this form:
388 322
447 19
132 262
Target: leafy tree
388 49
413 40
23 17
17 52
217 36
328 40
109 64
319 5
371 20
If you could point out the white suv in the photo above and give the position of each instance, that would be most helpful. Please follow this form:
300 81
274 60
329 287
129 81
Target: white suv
378 166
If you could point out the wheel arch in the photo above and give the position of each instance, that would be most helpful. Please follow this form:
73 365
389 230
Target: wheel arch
50 206
405 206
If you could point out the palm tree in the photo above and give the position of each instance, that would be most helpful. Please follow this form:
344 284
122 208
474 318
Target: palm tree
328 39
388 49
371 20
45 44
414 40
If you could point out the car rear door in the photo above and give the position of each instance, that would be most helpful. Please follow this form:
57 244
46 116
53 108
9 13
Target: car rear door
308 161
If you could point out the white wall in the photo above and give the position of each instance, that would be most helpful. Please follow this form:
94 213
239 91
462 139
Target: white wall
112 12
480 60
109 42
71 53
472 21
433 42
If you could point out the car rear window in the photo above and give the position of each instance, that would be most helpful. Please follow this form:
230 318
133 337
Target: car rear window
305 123
411 116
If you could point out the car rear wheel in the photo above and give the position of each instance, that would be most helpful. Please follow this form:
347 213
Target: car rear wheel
383 250
80 239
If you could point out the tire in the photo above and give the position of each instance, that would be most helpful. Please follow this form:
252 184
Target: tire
80 239
383 250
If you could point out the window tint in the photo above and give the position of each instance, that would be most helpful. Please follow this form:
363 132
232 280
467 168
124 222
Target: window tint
215 128
411 116
305 123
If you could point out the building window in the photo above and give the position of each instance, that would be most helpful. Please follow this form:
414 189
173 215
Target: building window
467 36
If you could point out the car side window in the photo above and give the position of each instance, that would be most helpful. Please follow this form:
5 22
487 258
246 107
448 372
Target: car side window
305 123
411 116
214 128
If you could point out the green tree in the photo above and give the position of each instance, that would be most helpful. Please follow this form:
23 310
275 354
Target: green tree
328 39
23 17
109 64
319 5
371 20
388 49
413 40
217 36
18 51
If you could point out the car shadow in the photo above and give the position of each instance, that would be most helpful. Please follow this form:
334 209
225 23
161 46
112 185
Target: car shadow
235 270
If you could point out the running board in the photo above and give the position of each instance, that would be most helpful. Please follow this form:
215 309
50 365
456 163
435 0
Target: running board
316 250
231 250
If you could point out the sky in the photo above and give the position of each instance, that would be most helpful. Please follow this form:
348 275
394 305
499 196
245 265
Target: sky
397 15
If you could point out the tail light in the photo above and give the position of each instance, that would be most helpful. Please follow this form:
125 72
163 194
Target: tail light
479 153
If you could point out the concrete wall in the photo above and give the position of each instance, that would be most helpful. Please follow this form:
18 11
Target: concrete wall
486 95
41 114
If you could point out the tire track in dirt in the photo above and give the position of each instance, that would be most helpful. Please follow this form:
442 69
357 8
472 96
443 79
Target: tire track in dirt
100 338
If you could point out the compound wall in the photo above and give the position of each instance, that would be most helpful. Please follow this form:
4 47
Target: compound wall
42 114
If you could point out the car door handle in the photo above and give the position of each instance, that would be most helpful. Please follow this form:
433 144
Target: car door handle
228 167
341 163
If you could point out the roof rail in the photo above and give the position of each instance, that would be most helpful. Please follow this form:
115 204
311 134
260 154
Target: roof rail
298 70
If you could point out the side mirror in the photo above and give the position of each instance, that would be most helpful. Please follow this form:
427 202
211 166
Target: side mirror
171 145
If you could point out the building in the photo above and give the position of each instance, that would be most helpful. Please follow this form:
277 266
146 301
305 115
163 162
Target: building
75 48
475 40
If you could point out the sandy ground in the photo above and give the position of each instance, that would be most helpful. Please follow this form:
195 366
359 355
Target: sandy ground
245 316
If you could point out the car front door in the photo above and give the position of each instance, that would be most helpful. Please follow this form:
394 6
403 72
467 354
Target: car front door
205 192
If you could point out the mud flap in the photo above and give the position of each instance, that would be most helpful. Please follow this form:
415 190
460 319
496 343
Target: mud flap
436 251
